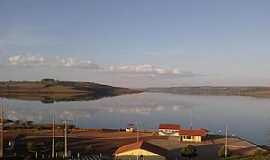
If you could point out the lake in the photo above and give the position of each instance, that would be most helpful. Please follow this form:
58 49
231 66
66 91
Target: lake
247 117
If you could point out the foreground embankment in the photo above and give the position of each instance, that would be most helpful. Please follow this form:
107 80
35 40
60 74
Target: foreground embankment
106 141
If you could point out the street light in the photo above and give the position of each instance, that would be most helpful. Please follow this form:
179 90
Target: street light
66 137
3 105
53 140
226 142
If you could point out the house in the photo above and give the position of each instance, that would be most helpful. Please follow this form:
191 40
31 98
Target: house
130 128
48 80
169 129
140 150
184 135
192 135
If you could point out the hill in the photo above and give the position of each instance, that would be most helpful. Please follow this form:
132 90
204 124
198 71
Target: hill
50 90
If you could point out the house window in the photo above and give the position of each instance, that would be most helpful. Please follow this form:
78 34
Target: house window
187 137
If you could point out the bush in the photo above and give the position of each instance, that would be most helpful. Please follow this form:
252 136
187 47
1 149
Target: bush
189 151
31 147
59 146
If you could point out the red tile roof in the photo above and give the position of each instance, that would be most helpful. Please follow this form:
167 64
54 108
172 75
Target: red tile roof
193 132
170 126
142 145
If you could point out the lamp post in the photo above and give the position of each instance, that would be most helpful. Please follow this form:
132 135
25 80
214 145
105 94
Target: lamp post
65 134
3 105
226 142
66 138
2 133
53 138
137 126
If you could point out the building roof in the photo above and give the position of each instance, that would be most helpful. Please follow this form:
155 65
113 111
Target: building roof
170 126
193 132
142 145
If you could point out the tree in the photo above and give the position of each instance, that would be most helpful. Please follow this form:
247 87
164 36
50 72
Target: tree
189 151
32 147
59 146
36 147
29 123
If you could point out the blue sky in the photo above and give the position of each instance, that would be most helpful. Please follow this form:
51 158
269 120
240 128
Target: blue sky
216 42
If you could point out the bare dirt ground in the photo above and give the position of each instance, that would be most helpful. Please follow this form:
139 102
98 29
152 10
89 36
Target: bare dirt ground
101 141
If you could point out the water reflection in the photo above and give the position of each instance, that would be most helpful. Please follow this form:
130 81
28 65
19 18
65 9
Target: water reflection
55 97
247 117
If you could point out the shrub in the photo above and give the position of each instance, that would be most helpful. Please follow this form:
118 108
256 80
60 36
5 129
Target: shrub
189 151
59 146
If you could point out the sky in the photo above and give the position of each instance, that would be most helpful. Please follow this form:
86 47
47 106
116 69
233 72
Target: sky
137 43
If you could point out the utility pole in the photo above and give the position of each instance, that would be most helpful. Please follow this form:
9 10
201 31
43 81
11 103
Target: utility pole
2 133
66 154
226 142
137 133
137 138
53 135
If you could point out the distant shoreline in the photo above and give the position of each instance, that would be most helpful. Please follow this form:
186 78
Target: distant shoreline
260 92
50 89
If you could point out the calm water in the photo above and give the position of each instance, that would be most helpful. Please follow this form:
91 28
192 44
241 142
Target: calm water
246 116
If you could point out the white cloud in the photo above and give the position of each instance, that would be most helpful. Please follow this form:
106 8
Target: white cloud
26 60
73 62
148 69
34 61
70 62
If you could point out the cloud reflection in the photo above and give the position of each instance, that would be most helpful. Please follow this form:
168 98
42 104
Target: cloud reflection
124 105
